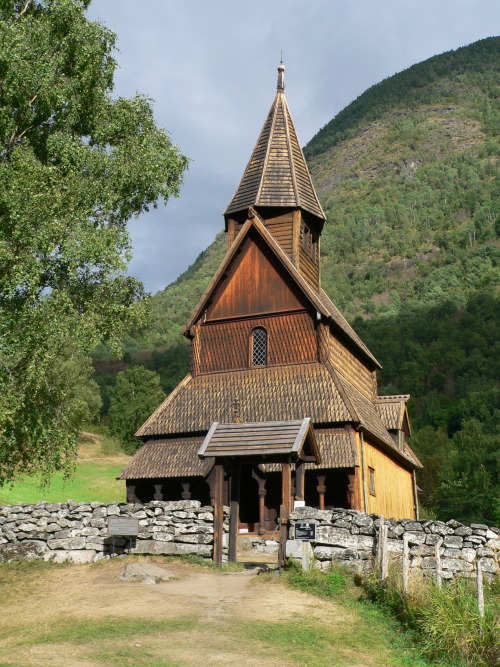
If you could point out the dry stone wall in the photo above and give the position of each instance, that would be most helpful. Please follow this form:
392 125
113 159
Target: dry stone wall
351 537
79 531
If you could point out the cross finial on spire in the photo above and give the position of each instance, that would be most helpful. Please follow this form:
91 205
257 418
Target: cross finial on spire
281 76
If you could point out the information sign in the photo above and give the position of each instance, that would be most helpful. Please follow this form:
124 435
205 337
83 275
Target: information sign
305 530
123 526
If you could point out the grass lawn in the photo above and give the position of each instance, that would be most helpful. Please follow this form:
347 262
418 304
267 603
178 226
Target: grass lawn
94 479
72 615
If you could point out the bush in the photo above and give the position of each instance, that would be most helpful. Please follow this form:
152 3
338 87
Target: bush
445 622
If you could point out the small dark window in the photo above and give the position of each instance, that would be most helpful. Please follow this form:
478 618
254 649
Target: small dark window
259 347
371 478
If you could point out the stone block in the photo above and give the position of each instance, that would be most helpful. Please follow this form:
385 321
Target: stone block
486 551
113 510
428 563
491 534
453 541
67 544
164 537
71 556
171 548
440 529
174 505
195 539
452 553
416 538
340 537
206 516
479 526
422 550
362 520
488 565
468 554
456 565
493 544
328 553
412 526
27 527
463 531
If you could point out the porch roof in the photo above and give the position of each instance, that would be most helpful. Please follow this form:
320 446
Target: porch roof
260 441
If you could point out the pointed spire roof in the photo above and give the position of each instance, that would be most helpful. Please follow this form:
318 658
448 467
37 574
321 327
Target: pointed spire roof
277 173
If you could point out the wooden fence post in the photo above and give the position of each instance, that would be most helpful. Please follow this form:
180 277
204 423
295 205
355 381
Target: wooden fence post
283 536
378 556
480 592
437 554
406 562
384 564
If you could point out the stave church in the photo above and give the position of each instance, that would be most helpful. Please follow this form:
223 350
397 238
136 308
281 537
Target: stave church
279 381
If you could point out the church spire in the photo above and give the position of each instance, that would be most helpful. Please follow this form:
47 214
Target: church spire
277 173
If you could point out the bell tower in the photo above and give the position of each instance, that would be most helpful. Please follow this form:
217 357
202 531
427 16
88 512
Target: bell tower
277 184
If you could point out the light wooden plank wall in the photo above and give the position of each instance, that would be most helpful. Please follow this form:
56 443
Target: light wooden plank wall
393 485
309 269
344 361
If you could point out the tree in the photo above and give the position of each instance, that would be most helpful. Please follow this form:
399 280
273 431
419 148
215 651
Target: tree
75 165
134 397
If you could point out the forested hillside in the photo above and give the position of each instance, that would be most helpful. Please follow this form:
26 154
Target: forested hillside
408 178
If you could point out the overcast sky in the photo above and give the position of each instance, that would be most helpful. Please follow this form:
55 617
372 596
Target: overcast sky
210 67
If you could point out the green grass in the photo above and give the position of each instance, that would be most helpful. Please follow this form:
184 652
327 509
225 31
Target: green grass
89 631
92 481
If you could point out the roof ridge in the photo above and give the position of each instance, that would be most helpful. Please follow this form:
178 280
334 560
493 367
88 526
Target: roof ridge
290 154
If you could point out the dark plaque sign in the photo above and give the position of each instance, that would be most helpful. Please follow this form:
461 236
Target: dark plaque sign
305 530
123 526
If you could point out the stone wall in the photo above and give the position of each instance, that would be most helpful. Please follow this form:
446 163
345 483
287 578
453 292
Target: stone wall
79 531
350 537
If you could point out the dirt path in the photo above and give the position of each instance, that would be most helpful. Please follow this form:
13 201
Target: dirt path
83 616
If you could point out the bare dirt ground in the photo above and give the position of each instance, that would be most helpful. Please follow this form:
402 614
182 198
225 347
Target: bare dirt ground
199 618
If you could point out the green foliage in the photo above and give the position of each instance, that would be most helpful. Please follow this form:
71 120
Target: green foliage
323 584
135 396
444 623
75 166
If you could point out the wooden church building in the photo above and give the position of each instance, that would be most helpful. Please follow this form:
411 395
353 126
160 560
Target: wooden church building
278 378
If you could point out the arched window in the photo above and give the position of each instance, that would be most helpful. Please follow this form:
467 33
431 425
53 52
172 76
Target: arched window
259 347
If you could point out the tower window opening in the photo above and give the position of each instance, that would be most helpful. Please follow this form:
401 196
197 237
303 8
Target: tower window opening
259 347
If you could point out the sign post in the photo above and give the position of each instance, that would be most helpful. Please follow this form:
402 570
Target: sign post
305 531
122 526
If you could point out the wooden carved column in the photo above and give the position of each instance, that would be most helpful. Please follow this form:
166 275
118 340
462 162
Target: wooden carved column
131 495
158 491
261 481
299 480
186 490
321 489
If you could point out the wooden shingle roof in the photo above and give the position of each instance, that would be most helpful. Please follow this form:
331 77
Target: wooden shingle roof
336 446
392 410
168 457
262 393
257 440
277 173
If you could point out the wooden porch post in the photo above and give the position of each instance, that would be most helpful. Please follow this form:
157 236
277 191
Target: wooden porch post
286 485
218 514
235 511
186 492
299 480
321 489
